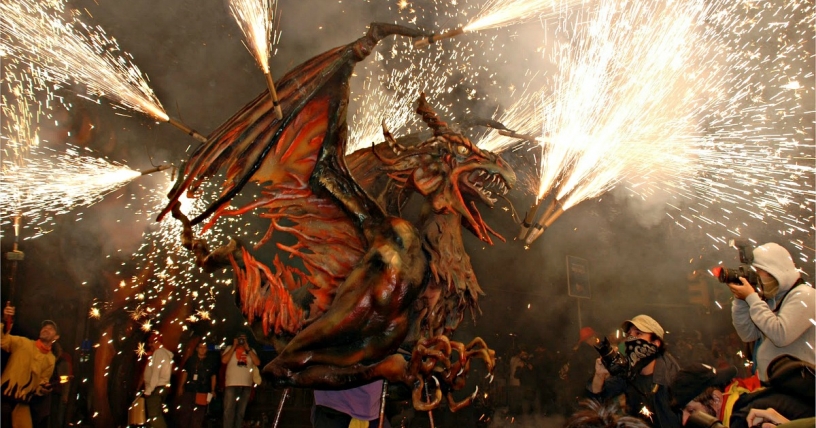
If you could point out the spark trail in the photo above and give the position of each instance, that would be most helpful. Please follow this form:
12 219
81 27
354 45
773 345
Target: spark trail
53 183
70 51
256 19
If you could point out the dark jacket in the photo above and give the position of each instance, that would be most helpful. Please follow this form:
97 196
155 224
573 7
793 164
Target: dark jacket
665 370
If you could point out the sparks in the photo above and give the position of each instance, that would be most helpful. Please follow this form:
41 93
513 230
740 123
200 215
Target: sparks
74 52
256 19
501 13
52 183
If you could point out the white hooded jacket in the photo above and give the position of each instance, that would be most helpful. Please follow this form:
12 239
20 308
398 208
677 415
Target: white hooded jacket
787 329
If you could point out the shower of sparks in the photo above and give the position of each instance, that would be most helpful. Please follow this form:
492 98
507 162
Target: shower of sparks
53 183
68 51
256 19
501 13
711 103
624 98
392 97
523 117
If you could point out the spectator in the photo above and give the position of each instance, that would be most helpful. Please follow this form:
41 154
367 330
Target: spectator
515 392
579 368
28 369
778 320
651 370
240 360
702 388
596 415
197 387
156 380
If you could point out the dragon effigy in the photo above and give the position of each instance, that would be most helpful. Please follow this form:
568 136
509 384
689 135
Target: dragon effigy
370 295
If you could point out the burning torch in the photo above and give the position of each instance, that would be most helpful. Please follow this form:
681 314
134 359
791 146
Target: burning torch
14 256
433 38
545 220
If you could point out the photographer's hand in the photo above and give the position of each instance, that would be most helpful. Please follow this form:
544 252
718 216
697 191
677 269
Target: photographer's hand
743 290
768 418
598 380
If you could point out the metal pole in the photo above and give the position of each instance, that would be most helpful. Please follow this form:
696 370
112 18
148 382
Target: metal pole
382 403
430 412
280 407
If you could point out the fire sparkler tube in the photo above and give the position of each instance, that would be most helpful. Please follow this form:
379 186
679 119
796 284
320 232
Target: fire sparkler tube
187 130
433 38
529 219
519 136
544 221
274 95
155 169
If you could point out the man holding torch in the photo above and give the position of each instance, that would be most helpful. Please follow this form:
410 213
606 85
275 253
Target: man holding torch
28 369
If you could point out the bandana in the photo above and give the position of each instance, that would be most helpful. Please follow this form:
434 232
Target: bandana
769 288
42 346
640 353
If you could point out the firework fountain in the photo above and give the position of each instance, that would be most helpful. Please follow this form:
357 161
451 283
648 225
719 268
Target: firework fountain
69 51
256 19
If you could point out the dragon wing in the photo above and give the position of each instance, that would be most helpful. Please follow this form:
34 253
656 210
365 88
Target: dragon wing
299 161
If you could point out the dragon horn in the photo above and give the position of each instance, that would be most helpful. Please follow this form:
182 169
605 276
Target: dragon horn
430 117
395 146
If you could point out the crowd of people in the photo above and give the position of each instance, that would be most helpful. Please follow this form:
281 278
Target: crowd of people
643 378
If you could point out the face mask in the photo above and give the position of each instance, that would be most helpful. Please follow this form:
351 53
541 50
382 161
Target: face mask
769 288
640 353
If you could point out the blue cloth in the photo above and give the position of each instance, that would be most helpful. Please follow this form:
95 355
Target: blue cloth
361 403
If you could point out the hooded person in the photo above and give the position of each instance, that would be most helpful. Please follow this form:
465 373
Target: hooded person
778 315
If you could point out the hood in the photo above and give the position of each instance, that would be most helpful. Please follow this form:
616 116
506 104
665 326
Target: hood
777 261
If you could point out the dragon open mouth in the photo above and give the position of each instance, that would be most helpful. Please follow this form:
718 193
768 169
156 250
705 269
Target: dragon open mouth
485 185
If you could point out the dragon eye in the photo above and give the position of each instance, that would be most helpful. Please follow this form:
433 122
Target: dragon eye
462 150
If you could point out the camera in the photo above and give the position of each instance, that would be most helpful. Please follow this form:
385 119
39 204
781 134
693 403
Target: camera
616 363
731 276
746 256
241 341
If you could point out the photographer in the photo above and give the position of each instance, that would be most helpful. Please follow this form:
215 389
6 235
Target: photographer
240 360
778 318
645 377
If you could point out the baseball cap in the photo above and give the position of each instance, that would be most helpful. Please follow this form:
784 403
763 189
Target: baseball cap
645 324
51 323
694 379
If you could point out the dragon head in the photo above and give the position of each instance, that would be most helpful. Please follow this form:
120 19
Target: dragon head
451 172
